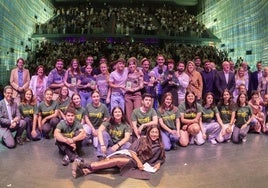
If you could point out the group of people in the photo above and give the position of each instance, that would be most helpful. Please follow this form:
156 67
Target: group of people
139 111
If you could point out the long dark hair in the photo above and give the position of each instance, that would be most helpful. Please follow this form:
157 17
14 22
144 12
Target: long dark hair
238 99
144 151
112 120
193 107
163 105
231 105
205 99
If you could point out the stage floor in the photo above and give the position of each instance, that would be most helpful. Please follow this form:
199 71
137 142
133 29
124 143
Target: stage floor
38 165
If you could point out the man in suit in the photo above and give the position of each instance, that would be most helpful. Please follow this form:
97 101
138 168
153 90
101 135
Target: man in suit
256 76
10 120
225 79
19 80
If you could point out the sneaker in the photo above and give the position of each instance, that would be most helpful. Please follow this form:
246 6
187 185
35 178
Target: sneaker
174 146
244 139
19 141
78 159
65 160
213 141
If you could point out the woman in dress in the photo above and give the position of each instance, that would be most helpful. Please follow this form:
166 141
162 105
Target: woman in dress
240 78
113 135
87 85
169 121
102 81
195 80
28 110
147 149
72 76
38 83
190 113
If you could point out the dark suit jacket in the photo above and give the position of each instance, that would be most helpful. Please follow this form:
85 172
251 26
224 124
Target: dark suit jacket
221 82
4 120
254 80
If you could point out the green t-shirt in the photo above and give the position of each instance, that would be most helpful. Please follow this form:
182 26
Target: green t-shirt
141 117
27 110
242 115
189 113
97 114
80 113
225 113
117 132
47 110
169 117
64 104
69 130
209 114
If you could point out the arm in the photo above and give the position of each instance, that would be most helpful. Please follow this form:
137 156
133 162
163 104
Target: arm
135 129
138 161
150 123
100 138
88 122
43 121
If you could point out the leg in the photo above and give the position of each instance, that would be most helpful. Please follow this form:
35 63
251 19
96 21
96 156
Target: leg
166 140
129 107
184 139
235 137
7 138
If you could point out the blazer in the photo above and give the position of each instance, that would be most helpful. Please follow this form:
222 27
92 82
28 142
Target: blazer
4 119
14 80
221 82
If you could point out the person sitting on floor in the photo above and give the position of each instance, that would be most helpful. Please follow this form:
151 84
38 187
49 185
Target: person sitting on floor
69 134
146 149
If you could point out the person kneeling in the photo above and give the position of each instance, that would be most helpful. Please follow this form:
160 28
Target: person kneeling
69 134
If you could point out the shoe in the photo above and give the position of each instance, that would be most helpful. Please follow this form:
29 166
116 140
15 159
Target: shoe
174 146
78 159
213 141
19 141
65 160
244 139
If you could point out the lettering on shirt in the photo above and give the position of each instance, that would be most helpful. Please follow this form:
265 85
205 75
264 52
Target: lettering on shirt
28 112
144 120
48 113
116 133
190 115
227 112
169 118
69 135
208 116
95 115
78 116
242 114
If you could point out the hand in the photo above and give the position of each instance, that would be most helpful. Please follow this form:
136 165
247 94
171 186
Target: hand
103 149
140 165
204 136
115 147
94 132
13 125
184 127
244 126
157 166
43 121
73 146
34 133
108 100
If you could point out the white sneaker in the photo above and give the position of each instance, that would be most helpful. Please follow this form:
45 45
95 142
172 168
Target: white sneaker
213 141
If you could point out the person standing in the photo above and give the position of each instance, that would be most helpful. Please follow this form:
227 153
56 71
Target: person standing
19 80
117 82
55 78
225 79
10 120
